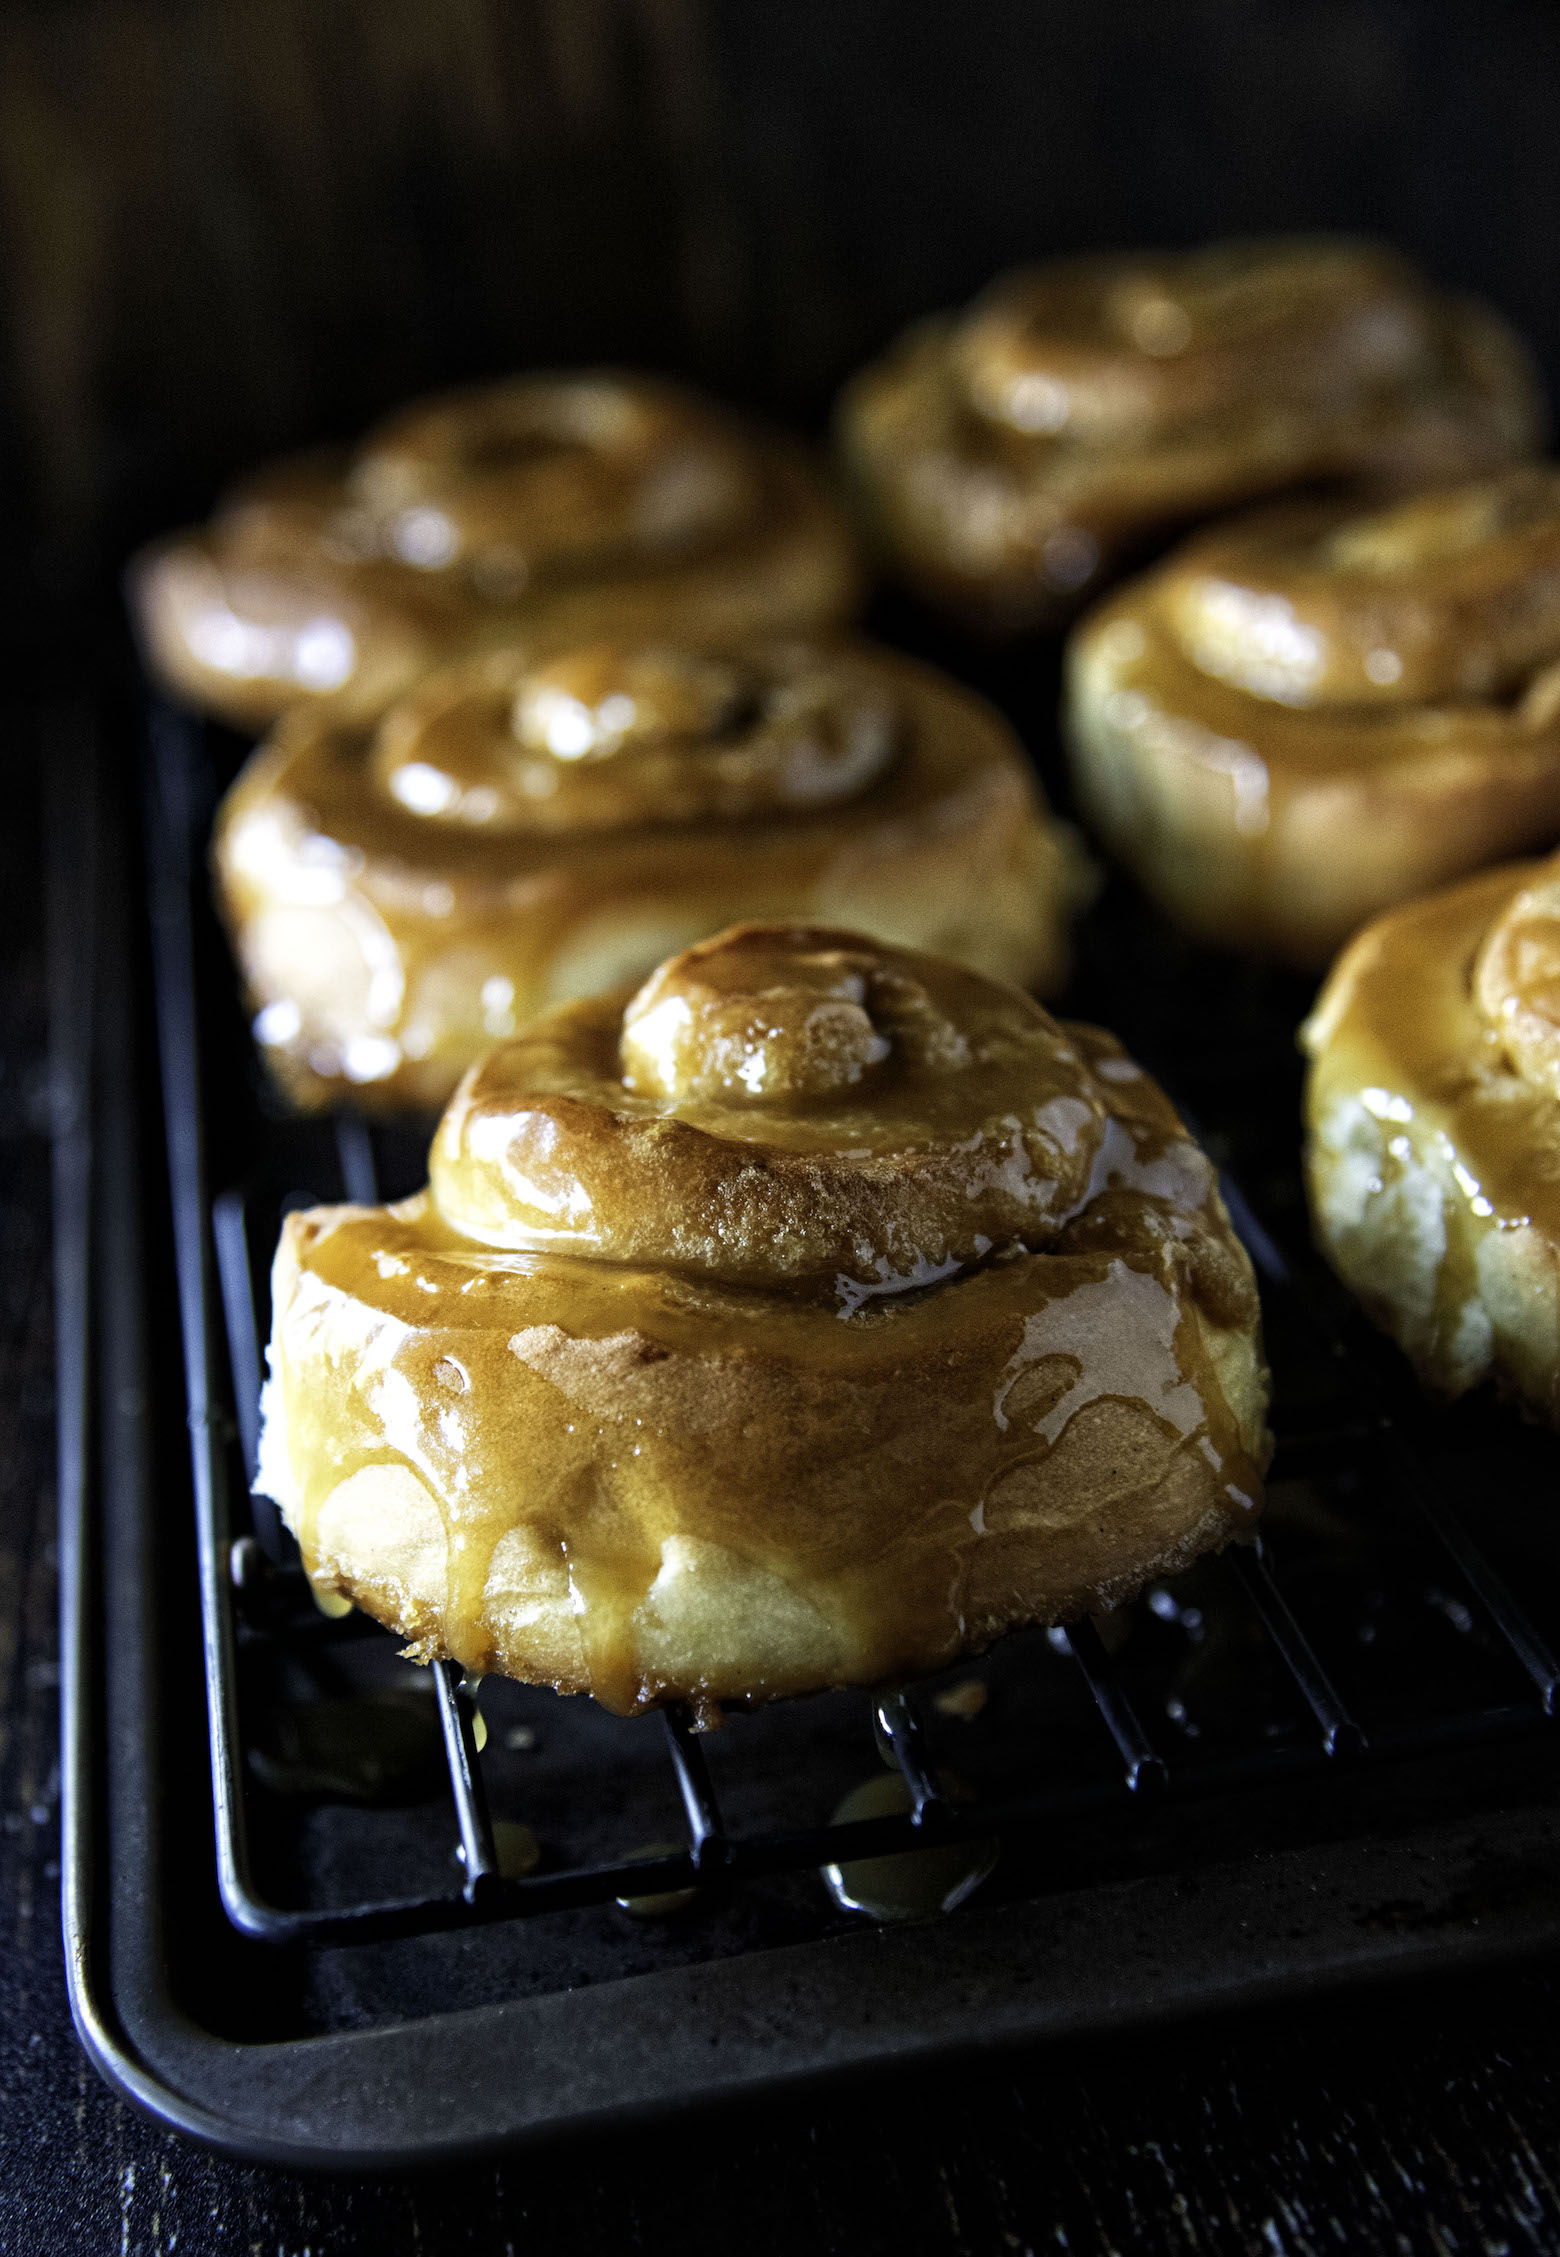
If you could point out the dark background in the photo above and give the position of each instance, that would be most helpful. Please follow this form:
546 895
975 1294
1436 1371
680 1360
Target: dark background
230 225
227 225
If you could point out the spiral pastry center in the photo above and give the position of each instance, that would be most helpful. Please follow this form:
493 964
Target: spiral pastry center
1516 981
1452 594
603 736
1090 351
777 1104
595 703
543 479
753 1023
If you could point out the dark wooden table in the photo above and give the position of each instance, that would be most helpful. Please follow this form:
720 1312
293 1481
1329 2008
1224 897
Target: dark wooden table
1403 2121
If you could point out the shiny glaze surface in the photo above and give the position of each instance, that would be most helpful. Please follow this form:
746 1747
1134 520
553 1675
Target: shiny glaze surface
1516 980
842 1481
603 735
1224 744
1453 594
815 1107
522 830
1434 1149
564 508
1010 456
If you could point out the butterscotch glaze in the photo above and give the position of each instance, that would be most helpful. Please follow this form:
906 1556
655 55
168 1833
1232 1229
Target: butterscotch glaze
1516 980
563 508
519 830
696 1469
607 735
1452 594
779 1108
1010 457
1120 349
1434 1130
1308 714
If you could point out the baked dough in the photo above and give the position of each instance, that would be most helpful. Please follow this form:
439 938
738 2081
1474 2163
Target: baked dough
1308 714
562 508
514 833
1010 459
807 1318
1433 1115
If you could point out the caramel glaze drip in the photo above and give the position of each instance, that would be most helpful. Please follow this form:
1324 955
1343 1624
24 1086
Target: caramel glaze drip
522 828
915 1309
1346 706
561 506
1075 409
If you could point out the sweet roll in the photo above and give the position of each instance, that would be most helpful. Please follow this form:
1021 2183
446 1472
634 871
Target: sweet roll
1010 459
1310 713
1433 1120
517 831
559 508
807 1317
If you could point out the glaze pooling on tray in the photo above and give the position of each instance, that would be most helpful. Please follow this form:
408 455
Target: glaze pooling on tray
559 507
1011 457
1434 1130
1311 713
519 830
810 1317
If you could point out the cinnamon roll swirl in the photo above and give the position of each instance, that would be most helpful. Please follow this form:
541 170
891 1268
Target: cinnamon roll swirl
563 508
1306 715
1433 1117
1011 458
518 831
806 1318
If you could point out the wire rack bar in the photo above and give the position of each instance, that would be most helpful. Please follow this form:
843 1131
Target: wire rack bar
707 1843
355 1156
1146 1770
1350 1427
1341 1735
457 1717
1488 1586
901 1727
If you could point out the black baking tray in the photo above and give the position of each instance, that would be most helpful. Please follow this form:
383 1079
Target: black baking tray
1326 1760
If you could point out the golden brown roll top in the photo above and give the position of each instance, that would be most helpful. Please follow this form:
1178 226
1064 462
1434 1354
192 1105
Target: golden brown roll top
777 1106
605 735
517 831
811 1315
1077 411
1310 713
563 507
1453 594
1434 1129
1516 980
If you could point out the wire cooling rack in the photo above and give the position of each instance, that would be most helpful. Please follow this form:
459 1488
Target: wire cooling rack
1369 1630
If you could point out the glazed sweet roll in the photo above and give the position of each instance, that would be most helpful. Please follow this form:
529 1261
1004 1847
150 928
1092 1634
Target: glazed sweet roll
514 833
562 508
806 1318
1433 1119
1078 413
1311 713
